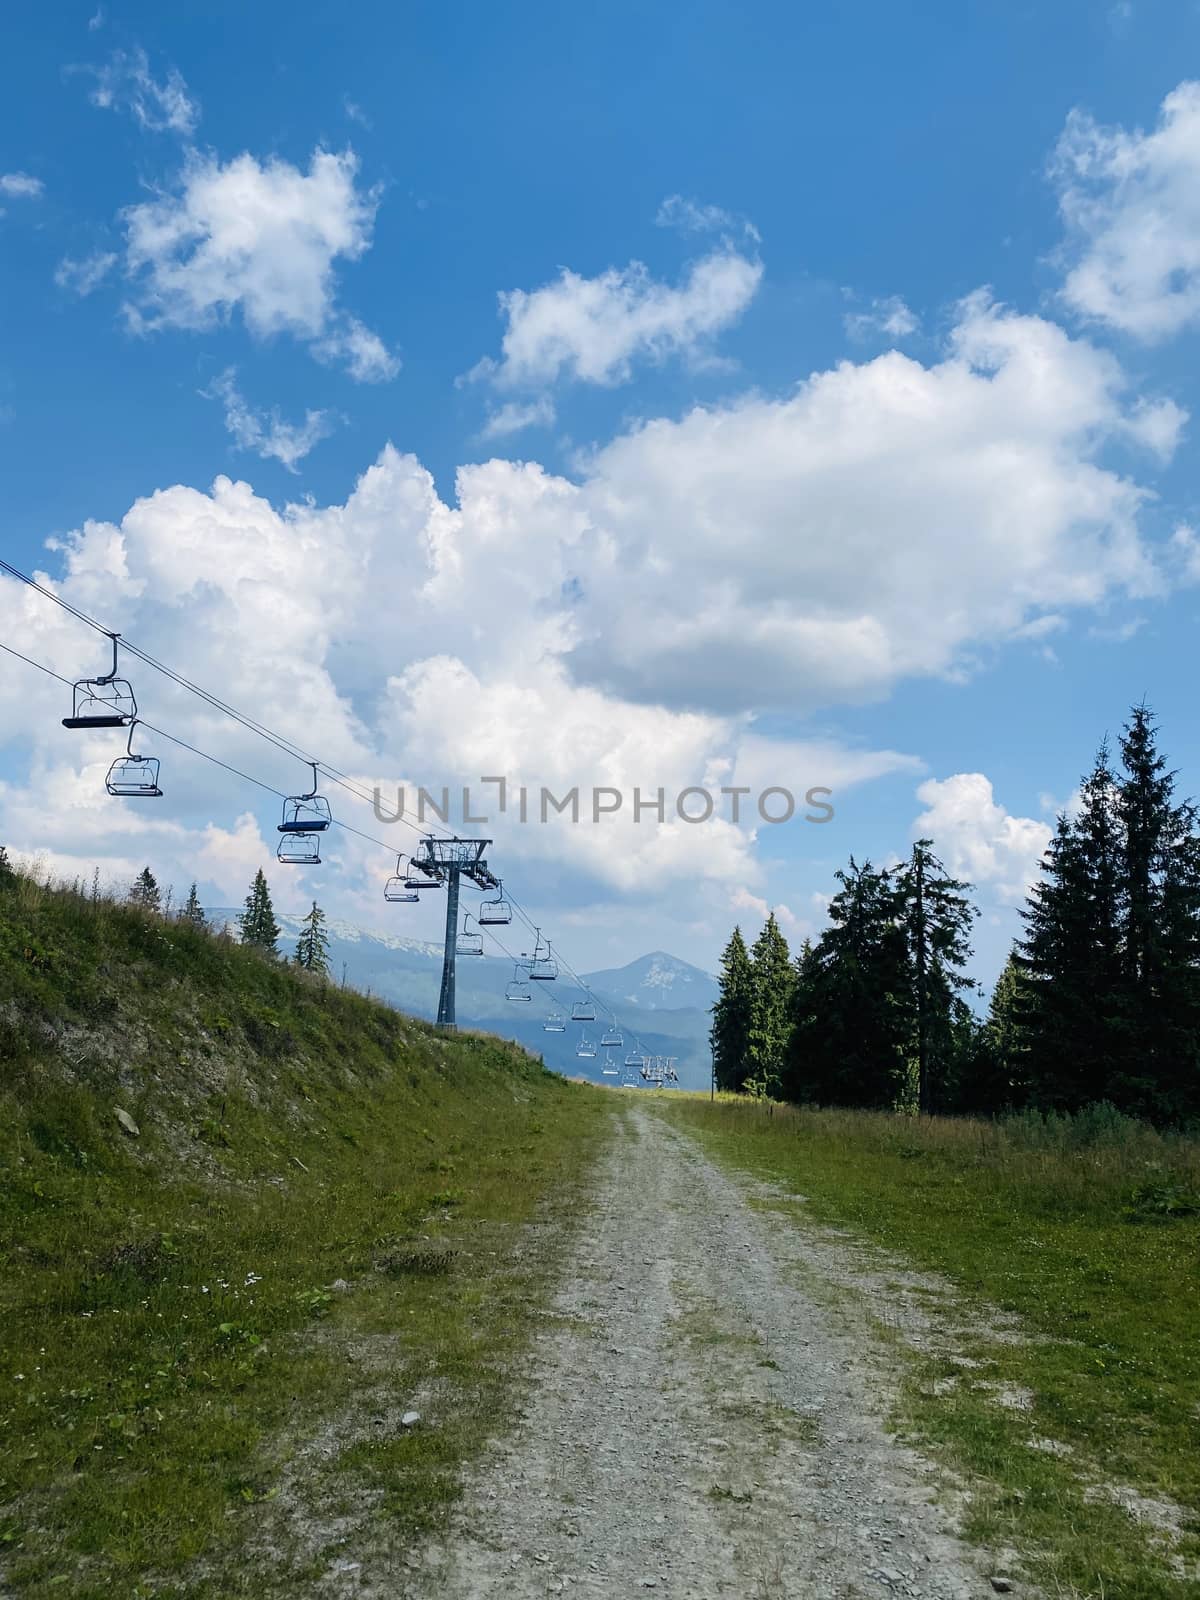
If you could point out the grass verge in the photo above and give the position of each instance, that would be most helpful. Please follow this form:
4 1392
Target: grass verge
1089 1231
330 1215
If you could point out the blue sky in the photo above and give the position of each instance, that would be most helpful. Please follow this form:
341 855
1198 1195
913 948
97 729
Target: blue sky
855 354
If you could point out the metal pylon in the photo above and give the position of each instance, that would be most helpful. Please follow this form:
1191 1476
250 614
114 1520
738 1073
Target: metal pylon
445 1014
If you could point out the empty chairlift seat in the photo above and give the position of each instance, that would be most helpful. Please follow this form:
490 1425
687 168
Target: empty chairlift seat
105 702
133 776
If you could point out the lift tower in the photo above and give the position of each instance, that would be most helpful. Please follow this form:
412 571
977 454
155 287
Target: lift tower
446 862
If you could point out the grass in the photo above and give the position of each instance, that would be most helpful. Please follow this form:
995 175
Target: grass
330 1215
1088 1230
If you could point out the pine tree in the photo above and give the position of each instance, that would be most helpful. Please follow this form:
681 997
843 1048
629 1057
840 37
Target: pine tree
772 981
937 918
312 948
1158 1074
1070 991
852 1011
6 867
193 911
729 1036
257 920
144 893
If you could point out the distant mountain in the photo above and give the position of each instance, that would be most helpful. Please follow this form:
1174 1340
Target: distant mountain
665 999
657 982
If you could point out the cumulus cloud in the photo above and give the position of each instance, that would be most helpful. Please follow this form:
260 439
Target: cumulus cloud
889 317
292 613
593 330
1131 204
20 186
266 433
85 274
260 239
125 83
977 838
621 627
882 522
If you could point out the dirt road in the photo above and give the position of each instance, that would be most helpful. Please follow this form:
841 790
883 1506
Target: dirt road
702 1420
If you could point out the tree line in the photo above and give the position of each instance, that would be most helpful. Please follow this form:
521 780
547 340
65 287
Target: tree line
1099 999
257 926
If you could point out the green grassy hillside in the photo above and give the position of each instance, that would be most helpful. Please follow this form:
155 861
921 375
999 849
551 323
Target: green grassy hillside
247 1222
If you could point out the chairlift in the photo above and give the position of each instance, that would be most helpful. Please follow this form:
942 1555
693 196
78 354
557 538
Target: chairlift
398 889
468 943
133 776
635 1059
584 1010
518 989
106 702
585 1047
542 965
610 1068
299 849
306 813
555 1023
495 912
612 1037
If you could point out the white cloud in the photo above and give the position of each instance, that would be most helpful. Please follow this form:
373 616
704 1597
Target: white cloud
889 316
513 417
367 359
977 838
594 329
259 238
96 20
20 186
883 522
1131 204
86 274
266 433
125 83
687 216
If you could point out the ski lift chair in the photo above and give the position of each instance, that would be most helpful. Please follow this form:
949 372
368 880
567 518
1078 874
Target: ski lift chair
397 889
612 1038
106 702
518 989
306 813
555 1023
133 776
542 966
583 1011
468 943
299 849
496 912
585 1047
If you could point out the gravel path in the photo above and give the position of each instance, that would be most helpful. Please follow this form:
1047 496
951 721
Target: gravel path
700 1423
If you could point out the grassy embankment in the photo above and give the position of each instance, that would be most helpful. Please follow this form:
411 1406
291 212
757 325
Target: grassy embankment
187 1403
1089 1231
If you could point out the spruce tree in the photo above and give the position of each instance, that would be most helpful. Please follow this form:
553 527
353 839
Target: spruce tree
853 1008
193 911
1158 1073
257 920
144 892
937 918
729 1036
312 948
772 981
6 867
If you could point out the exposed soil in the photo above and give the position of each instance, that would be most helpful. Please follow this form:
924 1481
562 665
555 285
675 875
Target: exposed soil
703 1419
